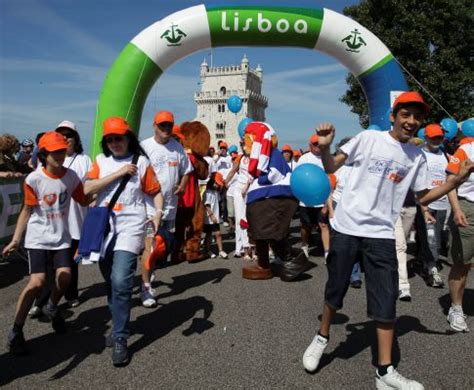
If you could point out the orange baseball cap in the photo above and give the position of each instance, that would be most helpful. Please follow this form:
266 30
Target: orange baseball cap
177 132
314 139
411 97
223 144
115 125
296 153
286 148
433 130
164 116
52 141
218 179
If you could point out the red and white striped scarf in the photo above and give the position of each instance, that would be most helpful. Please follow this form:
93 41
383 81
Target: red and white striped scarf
261 148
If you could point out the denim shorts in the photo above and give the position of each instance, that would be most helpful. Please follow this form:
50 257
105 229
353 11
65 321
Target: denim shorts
381 273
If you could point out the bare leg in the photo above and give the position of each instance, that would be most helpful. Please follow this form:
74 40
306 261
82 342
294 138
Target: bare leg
324 236
328 315
63 277
385 332
218 237
305 235
146 252
27 296
457 282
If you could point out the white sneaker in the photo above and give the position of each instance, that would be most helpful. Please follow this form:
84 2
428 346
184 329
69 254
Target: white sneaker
213 255
226 224
148 299
457 320
313 353
404 295
394 380
223 255
305 249
152 277
271 255
435 278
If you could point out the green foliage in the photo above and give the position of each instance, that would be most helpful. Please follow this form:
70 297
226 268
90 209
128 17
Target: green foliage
433 40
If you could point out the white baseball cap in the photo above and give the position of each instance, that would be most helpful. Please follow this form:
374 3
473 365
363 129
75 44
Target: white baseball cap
68 124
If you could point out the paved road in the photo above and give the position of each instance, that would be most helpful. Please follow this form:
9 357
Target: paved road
213 329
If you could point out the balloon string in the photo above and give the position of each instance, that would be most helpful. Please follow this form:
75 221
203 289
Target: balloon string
424 89
136 88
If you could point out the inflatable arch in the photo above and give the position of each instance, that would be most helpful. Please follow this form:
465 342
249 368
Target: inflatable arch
178 35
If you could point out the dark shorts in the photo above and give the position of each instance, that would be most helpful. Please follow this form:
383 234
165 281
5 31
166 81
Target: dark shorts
312 216
40 259
215 227
270 218
381 273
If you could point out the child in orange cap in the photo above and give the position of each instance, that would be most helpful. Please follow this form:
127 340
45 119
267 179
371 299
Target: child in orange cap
48 193
287 152
212 216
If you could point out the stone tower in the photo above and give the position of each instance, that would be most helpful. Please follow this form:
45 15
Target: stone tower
217 85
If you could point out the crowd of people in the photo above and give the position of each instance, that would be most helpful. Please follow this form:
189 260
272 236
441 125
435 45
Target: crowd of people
385 184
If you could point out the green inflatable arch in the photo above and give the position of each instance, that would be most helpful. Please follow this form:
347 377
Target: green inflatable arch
178 35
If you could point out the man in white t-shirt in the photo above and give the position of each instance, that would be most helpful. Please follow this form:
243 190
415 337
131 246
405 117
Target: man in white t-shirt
431 219
311 216
223 164
384 166
172 167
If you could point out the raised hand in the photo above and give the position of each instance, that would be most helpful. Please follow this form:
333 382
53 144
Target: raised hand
326 133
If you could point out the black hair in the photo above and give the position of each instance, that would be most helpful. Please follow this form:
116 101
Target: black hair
399 106
133 145
38 136
75 135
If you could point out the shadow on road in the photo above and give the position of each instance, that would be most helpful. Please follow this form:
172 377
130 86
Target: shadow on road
362 335
12 270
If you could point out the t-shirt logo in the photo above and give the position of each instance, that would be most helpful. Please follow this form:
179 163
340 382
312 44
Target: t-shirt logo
50 199
388 169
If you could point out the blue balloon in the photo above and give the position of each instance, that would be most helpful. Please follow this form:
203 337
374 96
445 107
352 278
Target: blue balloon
310 184
232 149
242 125
234 103
450 127
421 134
374 127
467 127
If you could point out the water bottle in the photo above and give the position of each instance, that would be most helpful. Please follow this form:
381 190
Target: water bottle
150 229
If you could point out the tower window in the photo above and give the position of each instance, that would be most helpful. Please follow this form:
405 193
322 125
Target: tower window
223 91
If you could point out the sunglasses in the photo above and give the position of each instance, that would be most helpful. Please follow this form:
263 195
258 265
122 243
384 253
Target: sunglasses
315 144
113 139
67 135
165 125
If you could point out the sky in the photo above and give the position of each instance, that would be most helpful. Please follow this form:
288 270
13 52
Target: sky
55 54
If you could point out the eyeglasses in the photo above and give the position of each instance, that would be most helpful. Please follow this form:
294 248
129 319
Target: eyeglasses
113 139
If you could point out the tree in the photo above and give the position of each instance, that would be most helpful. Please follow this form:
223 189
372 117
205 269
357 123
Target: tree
433 40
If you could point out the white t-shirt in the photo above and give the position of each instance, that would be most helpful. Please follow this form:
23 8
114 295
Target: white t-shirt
50 196
223 162
170 163
464 152
383 170
310 158
437 164
81 164
130 207
211 199
341 176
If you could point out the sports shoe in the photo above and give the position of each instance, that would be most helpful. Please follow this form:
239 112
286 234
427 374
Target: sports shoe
394 380
73 303
457 320
213 255
247 258
35 312
434 278
148 300
404 295
305 249
313 353
120 356
237 254
226 224
356 284
16 343
223 255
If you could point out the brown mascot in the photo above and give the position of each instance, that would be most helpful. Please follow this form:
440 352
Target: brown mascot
195 138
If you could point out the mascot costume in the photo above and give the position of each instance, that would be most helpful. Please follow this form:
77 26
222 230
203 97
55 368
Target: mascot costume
195 138
270 207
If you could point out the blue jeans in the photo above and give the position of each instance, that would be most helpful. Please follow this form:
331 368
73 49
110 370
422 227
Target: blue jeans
429 237
118 269
355 275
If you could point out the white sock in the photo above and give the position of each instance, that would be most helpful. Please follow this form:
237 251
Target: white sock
457 307
326 255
